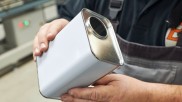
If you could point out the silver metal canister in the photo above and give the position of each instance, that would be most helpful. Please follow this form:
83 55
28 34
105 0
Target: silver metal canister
83 52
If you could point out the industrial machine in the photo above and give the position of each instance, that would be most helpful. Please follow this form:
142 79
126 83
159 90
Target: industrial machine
20 20
7 4
2 32
2 37
50 11
22 28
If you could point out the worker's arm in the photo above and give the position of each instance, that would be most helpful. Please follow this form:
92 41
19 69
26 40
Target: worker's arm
165 93
121 88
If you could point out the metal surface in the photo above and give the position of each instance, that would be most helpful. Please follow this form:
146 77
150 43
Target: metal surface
14 11
106 49
19 9
50 10
8 4
2 32
14 55
17 33
76 57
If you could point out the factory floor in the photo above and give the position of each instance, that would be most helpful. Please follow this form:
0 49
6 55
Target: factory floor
21 85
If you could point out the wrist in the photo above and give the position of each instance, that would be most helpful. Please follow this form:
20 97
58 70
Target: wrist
163 93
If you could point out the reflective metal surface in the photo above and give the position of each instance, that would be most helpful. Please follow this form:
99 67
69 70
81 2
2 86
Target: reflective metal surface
8 4
104 46
84 51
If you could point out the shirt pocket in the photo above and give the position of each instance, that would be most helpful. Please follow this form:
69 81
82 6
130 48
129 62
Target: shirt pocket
149 71
139 34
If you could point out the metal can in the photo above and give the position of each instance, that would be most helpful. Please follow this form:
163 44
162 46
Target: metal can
83 52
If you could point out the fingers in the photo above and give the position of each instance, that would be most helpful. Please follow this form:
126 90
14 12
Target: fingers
107 79
98 93
42 37
101 92
47 33
55 27
68 98
36 51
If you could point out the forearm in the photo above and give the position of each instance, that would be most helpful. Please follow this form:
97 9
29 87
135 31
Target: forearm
163 93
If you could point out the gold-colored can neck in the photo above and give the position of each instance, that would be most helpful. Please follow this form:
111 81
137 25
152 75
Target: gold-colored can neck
102 38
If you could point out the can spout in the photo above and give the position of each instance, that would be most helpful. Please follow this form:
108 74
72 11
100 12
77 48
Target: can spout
98 27
102 38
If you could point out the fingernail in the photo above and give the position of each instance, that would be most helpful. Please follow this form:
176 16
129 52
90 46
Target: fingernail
34 58
42 46
63 98
49 36
70 92
37 50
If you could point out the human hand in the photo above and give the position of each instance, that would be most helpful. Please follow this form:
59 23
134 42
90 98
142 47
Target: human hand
47 33
111 88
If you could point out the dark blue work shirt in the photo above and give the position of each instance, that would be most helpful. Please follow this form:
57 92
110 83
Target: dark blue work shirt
141 21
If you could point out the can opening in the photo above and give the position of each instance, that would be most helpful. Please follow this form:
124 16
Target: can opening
98 27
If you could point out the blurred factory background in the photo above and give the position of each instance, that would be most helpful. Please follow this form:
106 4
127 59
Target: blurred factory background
20 20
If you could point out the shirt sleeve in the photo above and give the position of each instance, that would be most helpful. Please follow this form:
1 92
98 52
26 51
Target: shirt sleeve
70 8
